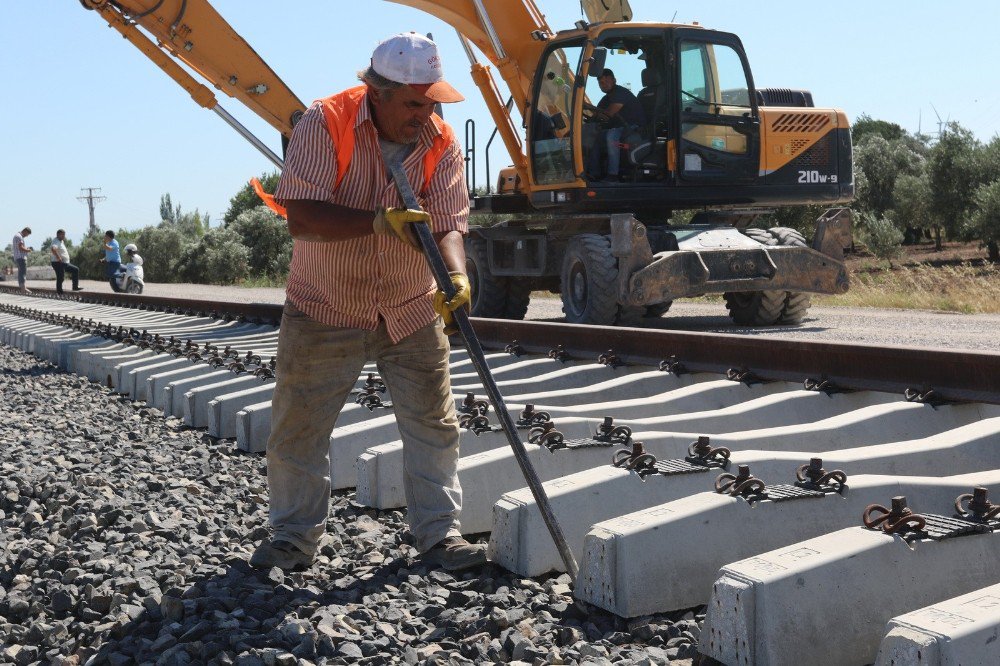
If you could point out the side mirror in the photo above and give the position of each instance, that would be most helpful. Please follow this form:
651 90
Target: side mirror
597 62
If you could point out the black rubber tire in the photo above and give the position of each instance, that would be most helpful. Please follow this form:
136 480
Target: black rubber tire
492 296
657 310
755 308
767 308
133 288
796 303
589 284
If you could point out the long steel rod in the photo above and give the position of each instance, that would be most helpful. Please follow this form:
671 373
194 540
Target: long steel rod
475 350
249 136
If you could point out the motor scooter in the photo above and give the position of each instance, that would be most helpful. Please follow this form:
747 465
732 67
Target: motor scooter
130 278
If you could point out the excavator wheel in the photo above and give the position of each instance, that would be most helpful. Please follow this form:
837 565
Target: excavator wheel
492 296
767 308
796 303
589 284
657 310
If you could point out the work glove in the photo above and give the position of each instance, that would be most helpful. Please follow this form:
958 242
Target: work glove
395 221
462 297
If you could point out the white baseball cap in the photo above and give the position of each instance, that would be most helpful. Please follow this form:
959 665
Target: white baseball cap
413 59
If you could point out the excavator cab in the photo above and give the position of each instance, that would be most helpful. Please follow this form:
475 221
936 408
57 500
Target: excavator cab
699 127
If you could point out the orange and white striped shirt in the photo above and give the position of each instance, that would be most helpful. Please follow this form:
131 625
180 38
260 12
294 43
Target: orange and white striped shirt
355 282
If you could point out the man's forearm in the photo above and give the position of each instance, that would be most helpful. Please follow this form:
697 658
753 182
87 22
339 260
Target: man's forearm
326 222
452 247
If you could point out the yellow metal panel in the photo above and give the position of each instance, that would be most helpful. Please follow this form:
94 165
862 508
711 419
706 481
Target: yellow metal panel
787 132
194 33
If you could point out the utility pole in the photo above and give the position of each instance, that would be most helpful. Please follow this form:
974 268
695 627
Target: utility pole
91 199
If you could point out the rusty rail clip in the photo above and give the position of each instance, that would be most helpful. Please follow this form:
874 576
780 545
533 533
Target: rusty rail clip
529 418
900 519
744 376
472 406
926 397
559 354
546 435
977 506
266 372
702 452
610 359
477 423
813 477
742 484
635 459
672 365
370 399
824 385
514 349
609 432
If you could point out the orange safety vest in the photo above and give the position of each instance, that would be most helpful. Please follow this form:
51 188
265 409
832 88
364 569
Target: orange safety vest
341 112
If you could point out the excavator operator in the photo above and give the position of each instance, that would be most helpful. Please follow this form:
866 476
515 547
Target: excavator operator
359 289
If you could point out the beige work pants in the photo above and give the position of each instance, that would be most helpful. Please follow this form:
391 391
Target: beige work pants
317 367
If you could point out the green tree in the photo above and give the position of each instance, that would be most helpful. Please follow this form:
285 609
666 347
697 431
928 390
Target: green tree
246 199
161 248
267 240
984 223
217 258
882 237
881 162
911 198
192 225
167 212
954 173
865 126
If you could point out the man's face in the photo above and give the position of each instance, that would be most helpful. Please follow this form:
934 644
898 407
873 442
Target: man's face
107 239
60 235
25 233
606 83
401 114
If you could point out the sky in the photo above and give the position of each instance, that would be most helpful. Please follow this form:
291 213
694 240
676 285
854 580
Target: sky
83 108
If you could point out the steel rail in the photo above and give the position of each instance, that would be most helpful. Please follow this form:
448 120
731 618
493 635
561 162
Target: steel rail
952 375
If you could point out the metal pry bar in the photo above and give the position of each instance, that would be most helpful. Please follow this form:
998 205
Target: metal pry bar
440 271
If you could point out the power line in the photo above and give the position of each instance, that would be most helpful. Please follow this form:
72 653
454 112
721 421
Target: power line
91 199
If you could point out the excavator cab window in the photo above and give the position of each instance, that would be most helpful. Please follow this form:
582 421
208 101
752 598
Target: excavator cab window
632 146
551 122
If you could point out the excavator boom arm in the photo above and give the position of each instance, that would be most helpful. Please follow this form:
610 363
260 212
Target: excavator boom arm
194 33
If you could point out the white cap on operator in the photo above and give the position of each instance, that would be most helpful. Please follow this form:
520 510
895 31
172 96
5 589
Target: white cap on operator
413 59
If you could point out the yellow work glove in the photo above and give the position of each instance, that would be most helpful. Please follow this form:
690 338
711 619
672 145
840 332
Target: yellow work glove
394 221
462 297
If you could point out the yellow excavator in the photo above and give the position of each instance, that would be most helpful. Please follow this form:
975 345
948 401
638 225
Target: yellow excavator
707 139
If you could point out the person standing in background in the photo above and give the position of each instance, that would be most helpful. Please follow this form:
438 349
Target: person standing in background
61 265
21 252
113 259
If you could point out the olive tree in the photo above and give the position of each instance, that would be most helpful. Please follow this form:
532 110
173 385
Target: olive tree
984 223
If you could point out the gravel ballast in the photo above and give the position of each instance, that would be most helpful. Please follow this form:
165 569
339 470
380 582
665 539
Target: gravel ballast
124 538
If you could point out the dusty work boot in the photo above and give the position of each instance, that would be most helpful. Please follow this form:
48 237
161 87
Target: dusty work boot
454 553
281 554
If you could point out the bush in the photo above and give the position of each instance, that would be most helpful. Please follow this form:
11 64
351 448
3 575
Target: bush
267 239
882 237
161 249
218 258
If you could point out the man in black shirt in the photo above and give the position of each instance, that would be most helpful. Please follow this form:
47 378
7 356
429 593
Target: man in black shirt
618 110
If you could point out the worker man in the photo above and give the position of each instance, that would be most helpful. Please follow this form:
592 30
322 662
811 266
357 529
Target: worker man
359 289
619 110
112 259
61 265
21 252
